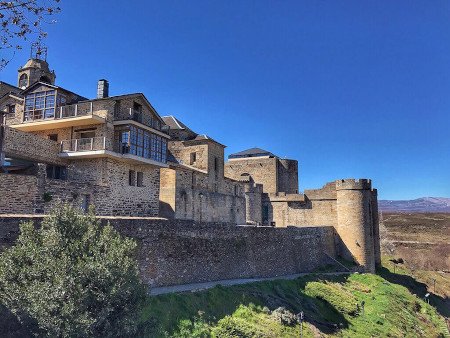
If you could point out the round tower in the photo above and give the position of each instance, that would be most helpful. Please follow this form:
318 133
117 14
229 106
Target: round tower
355 221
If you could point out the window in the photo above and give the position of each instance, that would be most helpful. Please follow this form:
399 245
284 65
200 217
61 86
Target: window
12 109
137 112
193 158
87 134
216 164
23 80
140 179
140 142
53 137
45 79
40 105
86 201
132 178
56 172
194 182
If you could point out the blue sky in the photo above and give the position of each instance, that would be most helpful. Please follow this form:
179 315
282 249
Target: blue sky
348 88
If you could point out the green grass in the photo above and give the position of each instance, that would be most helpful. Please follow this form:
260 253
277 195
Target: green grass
329 304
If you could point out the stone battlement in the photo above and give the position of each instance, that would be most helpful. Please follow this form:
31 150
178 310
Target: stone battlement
354 184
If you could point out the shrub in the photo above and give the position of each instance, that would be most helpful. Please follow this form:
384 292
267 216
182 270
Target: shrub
284 316
72 277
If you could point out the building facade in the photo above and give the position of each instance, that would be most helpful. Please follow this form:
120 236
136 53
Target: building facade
106 151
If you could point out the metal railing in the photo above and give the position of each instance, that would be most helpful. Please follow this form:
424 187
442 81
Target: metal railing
83 144
138 116
62 112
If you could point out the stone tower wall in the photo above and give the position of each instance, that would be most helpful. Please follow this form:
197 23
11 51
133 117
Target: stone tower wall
376 228
253 203
355 221
288 176
263 170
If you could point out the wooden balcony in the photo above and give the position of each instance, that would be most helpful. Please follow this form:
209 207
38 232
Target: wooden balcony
80 114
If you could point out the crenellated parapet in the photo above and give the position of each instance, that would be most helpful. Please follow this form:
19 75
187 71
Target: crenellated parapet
354 184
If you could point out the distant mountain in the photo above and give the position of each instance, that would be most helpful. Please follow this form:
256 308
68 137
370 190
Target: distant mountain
424 204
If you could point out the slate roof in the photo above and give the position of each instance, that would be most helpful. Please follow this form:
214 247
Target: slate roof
6 88
252 152
174 123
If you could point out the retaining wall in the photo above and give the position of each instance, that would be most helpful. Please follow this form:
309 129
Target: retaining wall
175 252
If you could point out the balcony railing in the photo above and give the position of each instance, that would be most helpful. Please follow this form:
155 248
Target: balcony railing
138 116
62 112
83 144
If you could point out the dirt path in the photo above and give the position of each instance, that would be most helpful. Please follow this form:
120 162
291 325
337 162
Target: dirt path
228 282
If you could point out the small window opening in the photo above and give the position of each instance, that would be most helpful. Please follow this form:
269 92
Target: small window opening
140 179
53 137
56 172
193 158
132 178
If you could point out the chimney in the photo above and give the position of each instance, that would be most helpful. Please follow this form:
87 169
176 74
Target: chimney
102 89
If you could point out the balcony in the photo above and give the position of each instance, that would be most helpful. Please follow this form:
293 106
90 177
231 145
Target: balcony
80 114
99 147
83 144
130 116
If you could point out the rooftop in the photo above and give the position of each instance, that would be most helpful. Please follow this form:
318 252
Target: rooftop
252 152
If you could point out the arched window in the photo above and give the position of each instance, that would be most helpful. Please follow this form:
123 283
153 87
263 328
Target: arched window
45 79
23 81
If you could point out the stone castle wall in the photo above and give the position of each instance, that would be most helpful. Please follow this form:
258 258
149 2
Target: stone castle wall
175 252
262 170
187 194
287 176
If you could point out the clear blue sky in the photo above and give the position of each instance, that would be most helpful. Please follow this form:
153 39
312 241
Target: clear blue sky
348 88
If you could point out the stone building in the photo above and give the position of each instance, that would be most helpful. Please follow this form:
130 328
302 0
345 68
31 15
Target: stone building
194 186
60 146
118 154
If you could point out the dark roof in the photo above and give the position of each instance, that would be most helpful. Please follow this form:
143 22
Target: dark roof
174 123
205 137
6 88
252 152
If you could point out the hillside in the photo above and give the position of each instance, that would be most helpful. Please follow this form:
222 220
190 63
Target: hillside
424 204
332 307
421 239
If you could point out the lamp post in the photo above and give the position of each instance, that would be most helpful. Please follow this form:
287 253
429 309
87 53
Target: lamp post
300 320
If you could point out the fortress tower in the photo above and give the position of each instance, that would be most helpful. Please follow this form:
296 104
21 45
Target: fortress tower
356 222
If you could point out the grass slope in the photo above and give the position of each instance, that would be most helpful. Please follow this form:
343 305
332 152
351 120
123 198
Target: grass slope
332 307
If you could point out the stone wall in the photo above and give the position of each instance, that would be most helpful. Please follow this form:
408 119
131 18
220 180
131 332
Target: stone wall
19 194
187 194
307 213
288 176
31 147
183 154
102 182
262 170
179 252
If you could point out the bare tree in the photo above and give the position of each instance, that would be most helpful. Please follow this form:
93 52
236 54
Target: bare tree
23 20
